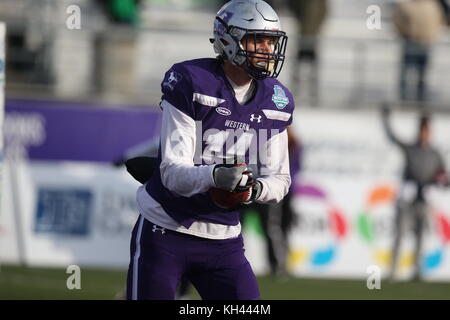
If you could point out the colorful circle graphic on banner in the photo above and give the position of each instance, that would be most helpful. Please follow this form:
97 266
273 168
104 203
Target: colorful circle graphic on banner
337 226
382 195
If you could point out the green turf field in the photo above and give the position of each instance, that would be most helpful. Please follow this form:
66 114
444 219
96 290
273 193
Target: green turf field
39 283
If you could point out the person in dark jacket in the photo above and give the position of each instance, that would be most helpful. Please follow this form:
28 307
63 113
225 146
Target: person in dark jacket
424 166
310 15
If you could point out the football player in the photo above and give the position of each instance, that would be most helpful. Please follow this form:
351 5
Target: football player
215 110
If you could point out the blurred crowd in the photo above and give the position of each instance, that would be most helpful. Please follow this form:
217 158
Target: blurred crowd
35 42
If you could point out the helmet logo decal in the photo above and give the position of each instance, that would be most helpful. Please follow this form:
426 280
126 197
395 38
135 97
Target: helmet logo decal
223 19
226 16
174 78
279 97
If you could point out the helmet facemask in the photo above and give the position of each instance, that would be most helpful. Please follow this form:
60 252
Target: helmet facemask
249 20
269 63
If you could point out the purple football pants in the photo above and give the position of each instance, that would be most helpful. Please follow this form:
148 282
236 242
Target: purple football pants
218 269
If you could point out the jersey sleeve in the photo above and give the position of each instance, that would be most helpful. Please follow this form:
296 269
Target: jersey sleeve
179 174
282 106
290 107
274 166
274 173
177 90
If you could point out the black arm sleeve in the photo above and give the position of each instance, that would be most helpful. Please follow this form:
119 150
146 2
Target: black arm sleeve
141 168
388 129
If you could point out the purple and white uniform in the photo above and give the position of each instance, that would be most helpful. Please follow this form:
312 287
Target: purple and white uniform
203 123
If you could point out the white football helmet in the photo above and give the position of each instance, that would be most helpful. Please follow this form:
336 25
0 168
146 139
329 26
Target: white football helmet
239 18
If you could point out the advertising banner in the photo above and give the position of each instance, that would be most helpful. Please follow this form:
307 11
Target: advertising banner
65 200
345 197
76 207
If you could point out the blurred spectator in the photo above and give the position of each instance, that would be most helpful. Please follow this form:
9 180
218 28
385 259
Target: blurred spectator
419 23
310 16
423 166
122 11
278 219
446 8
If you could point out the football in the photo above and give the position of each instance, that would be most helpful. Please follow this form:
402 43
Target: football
231 199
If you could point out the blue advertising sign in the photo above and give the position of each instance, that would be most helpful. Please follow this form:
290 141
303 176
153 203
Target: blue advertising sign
63 211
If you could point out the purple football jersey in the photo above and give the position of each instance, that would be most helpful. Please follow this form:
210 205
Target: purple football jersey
200 89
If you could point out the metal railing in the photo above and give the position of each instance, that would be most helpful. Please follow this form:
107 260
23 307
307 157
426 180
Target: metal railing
123 63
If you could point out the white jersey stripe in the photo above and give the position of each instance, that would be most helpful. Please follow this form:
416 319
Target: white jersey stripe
276 115
137 254
207 100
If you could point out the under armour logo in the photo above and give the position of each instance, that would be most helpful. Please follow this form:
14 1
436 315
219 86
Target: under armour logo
252 118
155 227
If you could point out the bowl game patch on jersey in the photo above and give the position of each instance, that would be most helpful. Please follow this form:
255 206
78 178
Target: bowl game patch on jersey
279 97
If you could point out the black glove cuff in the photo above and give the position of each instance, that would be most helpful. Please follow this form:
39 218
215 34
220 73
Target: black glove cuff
256 190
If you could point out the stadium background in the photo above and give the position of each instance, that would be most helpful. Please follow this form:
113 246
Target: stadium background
76 100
